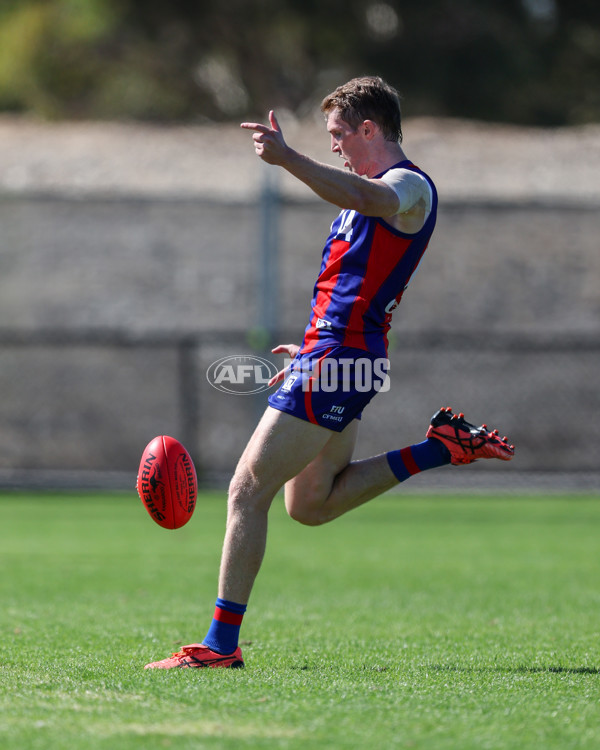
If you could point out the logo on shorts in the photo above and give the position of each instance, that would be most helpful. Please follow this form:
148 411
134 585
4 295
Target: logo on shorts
335 414
241 374
287 386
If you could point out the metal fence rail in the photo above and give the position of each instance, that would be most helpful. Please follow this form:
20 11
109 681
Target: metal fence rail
80 405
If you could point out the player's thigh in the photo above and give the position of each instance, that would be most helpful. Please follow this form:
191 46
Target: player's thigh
311 487
281 447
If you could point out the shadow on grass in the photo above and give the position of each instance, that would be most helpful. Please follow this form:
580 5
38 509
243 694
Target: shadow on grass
517 670
567 670
522 669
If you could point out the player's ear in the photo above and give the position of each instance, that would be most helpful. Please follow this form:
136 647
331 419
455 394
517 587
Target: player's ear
369 128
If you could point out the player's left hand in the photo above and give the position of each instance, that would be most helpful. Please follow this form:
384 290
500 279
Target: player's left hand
269 142
291 350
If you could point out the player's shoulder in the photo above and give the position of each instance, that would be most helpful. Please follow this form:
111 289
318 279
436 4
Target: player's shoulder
409 185
407 175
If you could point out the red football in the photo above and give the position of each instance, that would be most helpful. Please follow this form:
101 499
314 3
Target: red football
167 483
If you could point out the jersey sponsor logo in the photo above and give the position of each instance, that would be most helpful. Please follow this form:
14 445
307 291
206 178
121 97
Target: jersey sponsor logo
391 306
322 323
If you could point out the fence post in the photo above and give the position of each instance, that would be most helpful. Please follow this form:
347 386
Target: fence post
188 354
268 256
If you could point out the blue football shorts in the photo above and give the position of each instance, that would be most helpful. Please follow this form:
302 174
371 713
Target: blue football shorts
331 387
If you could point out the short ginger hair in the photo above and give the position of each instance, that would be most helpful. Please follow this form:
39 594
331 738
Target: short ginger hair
367 98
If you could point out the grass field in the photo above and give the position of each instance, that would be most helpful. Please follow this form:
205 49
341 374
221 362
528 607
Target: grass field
413 622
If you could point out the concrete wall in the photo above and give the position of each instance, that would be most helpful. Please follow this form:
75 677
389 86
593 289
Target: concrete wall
501 321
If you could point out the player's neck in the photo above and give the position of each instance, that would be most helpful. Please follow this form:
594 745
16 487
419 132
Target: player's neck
390 155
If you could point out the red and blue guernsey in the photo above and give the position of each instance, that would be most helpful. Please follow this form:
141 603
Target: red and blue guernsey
367 264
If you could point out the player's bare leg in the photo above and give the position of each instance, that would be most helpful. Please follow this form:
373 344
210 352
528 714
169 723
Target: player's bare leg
322 482
332 484
280 448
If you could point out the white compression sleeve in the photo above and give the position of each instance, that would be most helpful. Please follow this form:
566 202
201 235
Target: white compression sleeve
410 187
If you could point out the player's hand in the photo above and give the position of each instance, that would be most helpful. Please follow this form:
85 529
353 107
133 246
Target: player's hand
291 350
269 143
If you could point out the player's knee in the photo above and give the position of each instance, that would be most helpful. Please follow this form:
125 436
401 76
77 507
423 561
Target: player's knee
307 514
242 490
305 501
246 493
303 517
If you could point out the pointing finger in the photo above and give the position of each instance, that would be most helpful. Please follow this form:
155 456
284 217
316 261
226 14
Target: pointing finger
255 126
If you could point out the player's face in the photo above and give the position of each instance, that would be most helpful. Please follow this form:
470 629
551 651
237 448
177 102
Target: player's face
349 144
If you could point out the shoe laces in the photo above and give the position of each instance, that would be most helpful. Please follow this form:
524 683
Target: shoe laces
187 650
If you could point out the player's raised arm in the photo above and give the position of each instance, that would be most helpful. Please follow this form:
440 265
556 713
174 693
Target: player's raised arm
346 189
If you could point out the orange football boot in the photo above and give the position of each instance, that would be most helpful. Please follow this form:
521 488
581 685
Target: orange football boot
466 442
197 656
